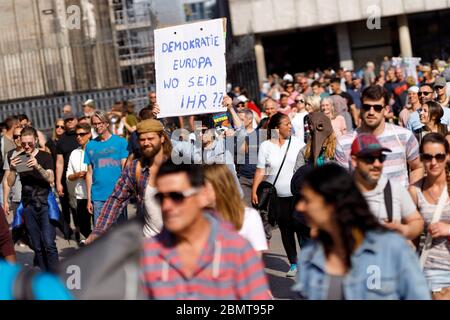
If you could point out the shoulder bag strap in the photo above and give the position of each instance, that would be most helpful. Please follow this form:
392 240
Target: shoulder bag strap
282 163
436 217
388 200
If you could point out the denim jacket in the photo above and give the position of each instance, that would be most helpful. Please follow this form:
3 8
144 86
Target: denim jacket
384 267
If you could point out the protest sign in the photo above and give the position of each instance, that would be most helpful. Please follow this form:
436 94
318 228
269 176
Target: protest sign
190 68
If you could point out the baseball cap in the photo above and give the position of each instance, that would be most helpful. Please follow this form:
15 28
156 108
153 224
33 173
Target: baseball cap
365 144
440 82
414 89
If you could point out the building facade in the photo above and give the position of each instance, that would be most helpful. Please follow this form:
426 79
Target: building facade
298 35
50 47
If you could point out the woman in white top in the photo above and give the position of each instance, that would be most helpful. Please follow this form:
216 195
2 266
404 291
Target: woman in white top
270 158
76 180
225 199
337 121
434 153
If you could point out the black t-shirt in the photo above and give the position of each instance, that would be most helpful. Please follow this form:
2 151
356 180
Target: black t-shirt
65 145
347 97
32 181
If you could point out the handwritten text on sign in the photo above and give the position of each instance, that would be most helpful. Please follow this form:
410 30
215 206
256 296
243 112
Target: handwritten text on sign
190 68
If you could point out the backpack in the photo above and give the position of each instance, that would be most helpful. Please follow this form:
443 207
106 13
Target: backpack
109 268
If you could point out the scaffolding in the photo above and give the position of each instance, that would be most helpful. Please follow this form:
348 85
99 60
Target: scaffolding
134 24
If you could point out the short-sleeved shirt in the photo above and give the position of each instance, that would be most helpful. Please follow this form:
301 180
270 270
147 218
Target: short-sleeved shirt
228 268
105 157
401 141
403 205
253 230
270 157
35 180
65 145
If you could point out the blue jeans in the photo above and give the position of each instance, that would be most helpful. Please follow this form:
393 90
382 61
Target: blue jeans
437 279
98 206
42 236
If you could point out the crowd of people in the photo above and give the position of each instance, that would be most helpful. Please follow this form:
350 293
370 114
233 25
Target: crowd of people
351 166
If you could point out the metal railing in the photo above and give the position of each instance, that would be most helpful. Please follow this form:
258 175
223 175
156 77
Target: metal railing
43 112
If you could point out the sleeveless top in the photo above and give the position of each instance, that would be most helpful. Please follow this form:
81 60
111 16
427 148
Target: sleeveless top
439 254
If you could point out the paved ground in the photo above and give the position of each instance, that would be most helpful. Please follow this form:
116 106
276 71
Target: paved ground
275 260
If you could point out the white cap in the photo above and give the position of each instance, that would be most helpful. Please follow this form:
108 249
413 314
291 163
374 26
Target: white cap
242 98
414 89
288 77
89 102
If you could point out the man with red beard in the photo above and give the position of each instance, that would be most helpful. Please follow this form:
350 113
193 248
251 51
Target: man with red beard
138 179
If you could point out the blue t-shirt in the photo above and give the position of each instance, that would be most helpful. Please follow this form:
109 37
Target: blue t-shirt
105 157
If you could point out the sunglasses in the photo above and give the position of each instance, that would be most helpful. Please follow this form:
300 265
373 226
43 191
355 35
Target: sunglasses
300 101
425 93
440 157
30 144
370 159
377 107
81 134
59 127
439 87
16 136
176 196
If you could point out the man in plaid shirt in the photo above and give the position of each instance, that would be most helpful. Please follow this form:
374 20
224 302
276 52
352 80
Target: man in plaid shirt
138 179
197 256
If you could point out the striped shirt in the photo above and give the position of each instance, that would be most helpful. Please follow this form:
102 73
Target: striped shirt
403 144
228 268
439 254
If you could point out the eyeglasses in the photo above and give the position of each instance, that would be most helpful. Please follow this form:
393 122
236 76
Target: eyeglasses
370 159
300 101
376 107
176 196
59 127
424 93
30 144
81 134
16 136
440 157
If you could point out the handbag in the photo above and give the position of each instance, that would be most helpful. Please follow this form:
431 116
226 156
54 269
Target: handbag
267 194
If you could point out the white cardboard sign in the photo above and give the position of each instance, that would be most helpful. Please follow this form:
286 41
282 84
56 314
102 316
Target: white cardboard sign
190 68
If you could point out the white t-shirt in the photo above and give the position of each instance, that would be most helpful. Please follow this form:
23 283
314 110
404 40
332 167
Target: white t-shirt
298 125
271 155
403 205
152 213
77 188
253 230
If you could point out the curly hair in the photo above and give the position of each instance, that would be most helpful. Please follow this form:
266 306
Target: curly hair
329 147
351 211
